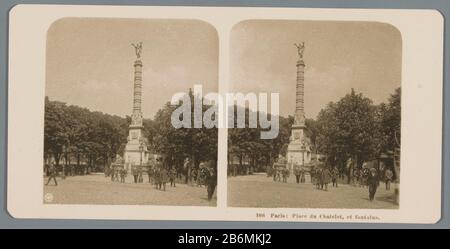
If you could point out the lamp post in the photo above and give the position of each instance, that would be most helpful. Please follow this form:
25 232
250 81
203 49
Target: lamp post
141 149
303 158
303 153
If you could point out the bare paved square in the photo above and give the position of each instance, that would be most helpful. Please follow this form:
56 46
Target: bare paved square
98 189
258 190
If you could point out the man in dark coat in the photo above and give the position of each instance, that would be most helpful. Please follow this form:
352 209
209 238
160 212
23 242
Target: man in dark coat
135 173
123 174
112 172
302 175
211 181
373 182
388 175
325 178
172 176
285 174
163 175
160 174
211 178
335 176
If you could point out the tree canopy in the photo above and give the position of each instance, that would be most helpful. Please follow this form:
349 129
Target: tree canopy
96 138
351 127
355 128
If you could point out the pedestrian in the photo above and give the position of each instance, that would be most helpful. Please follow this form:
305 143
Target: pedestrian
325 178
364 177
202 175
150 173
314 179
373 182
123 174
211 181
163 178
194 175
160 174
302 175
388 175
355 177
285 173
335 176
117 174
52 174
172 176
135 174
319 178
111 172
297 174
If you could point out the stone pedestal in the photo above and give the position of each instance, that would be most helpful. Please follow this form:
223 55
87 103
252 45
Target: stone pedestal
299 151
136 151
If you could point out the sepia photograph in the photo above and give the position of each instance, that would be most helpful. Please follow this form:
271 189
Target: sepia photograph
108 137
338 138
245 114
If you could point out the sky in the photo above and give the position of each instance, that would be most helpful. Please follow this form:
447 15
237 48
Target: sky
339 56
90 61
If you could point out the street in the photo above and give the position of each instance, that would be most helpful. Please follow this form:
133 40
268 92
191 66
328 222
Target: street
98 189
258 190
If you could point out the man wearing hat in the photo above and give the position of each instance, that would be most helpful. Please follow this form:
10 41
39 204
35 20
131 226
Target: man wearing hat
373 182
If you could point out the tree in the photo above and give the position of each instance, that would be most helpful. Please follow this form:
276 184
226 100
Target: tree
348 128
82 134
390 121
198 144
55 136
246 142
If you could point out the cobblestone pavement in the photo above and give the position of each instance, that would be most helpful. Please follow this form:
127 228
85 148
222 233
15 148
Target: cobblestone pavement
258 190
98 189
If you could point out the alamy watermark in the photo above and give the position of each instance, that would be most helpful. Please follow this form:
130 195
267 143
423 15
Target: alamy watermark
257 105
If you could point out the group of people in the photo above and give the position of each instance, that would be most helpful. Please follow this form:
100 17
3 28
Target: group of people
321 177
117 172
360 177
299 173
156 171
279 171
365 177
322 174
281 174
160 173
